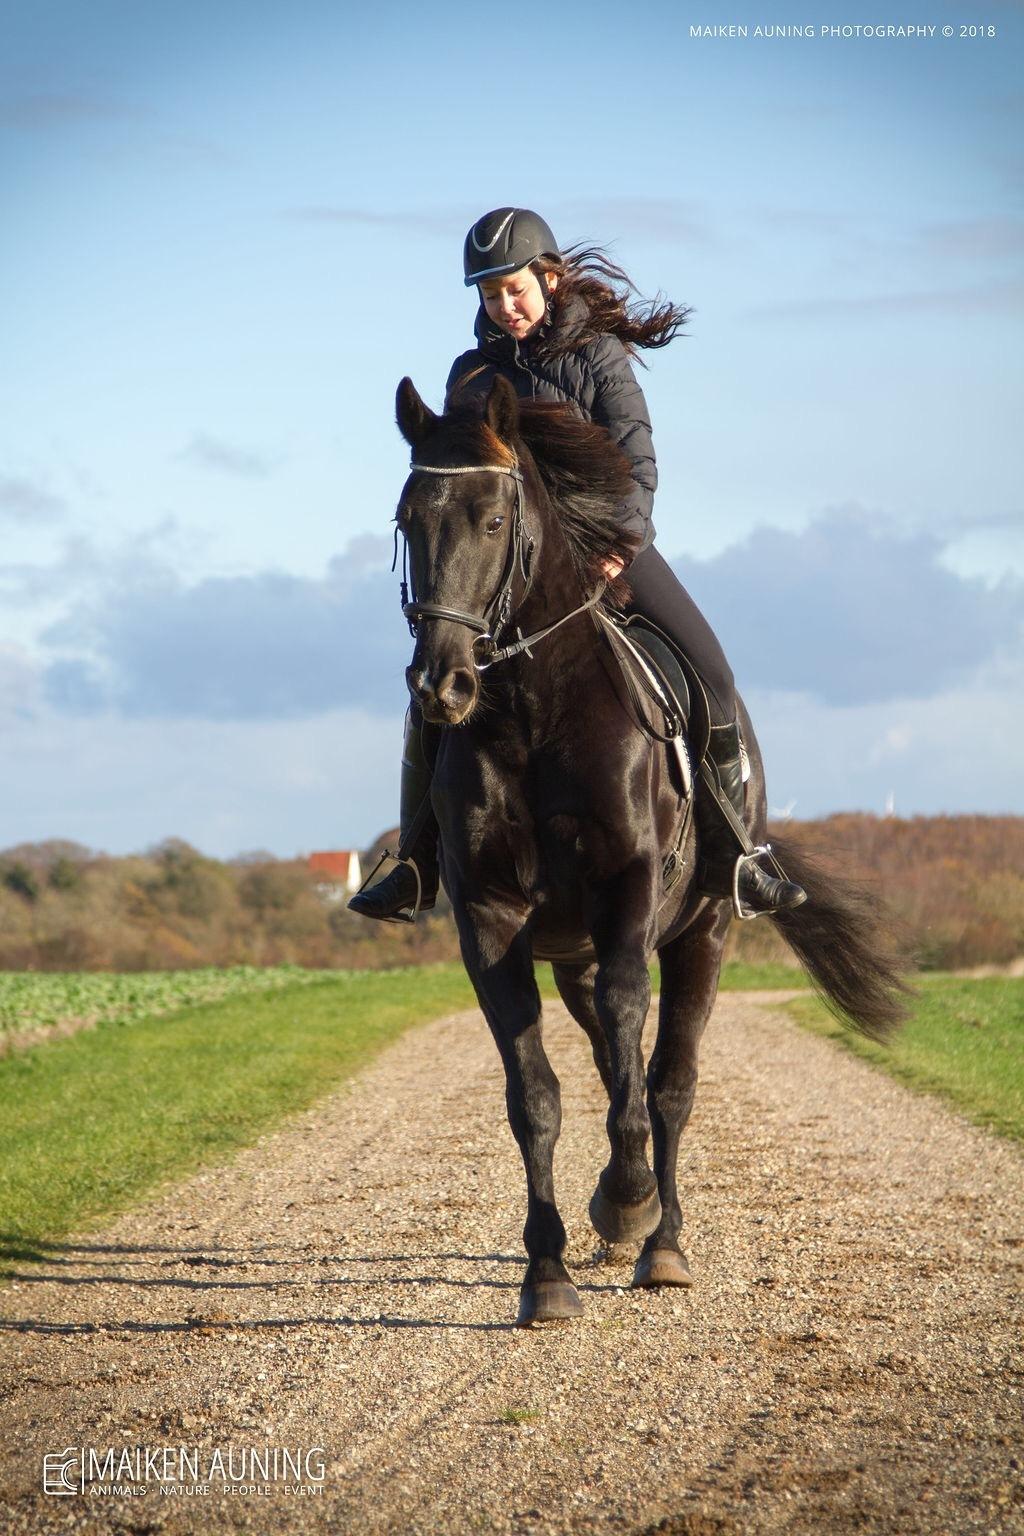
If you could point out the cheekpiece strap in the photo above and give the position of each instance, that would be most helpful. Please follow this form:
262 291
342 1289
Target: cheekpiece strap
520 553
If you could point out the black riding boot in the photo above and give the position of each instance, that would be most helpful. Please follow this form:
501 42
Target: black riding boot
394 898
725 869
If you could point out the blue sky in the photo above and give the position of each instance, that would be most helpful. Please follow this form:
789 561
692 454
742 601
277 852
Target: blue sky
229 229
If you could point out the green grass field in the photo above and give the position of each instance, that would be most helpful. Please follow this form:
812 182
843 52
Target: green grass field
39 1000
91 1123
965 1042
32 1002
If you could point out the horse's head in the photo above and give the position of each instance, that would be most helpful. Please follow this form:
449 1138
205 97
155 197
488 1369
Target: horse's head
461 511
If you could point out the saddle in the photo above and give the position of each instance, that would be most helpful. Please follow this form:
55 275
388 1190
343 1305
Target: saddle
663 689
667 698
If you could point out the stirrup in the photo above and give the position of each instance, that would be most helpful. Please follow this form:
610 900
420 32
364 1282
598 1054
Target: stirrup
395 858
739 910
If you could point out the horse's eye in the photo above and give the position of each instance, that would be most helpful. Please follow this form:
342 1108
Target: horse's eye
494 524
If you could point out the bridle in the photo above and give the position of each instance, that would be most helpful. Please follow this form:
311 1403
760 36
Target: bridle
497 615
519 556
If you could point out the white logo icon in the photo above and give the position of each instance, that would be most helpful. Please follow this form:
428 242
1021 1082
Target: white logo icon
62 1472
497 235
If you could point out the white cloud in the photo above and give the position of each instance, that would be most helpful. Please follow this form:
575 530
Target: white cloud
20 685
227 458
961 751
849 610
121 785
265 711
22 501
268 646
852 610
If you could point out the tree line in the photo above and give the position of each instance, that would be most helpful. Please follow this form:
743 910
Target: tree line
954 886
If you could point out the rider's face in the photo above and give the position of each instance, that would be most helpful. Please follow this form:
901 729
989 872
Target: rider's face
516 303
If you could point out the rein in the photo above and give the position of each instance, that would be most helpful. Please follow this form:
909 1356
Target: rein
498 612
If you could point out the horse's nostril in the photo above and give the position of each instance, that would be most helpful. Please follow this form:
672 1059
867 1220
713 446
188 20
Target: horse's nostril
457 689
418 683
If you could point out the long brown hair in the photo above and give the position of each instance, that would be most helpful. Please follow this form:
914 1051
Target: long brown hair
589 273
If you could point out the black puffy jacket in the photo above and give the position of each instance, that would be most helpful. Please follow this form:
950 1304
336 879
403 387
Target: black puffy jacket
595 376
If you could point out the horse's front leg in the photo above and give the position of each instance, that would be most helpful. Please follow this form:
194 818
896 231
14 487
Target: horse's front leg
689 983
498 957
625 1206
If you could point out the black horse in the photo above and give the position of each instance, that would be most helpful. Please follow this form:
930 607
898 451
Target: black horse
556 813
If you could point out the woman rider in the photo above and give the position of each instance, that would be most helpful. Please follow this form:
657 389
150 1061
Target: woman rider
554 326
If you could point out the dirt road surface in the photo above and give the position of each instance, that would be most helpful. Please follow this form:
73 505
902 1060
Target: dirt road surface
848 1359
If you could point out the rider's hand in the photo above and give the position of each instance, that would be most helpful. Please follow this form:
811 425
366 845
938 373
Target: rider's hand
612 566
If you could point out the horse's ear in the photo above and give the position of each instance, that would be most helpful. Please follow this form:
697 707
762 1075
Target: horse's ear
501 412
414 418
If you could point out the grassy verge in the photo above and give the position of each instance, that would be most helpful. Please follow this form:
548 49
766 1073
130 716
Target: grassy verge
35 1005
92 1122
739 976
965 1042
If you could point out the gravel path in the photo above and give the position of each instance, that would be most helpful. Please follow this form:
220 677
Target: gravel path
847 1360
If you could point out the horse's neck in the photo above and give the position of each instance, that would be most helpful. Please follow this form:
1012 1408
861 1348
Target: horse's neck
568 658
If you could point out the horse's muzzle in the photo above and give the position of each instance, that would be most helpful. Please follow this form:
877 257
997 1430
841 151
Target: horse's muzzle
448 701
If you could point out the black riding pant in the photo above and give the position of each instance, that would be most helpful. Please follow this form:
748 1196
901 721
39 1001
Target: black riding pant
660 596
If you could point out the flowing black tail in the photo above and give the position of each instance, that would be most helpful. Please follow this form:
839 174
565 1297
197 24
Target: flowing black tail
839 936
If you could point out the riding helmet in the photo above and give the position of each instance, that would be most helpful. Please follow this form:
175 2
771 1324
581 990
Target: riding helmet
505 240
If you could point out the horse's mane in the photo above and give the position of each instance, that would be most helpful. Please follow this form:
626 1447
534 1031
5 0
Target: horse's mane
586 476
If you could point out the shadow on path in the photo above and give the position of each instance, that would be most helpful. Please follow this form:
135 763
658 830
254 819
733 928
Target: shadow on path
374 1271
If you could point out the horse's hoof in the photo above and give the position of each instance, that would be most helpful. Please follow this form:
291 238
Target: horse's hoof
662 1266
549 1301
624 1223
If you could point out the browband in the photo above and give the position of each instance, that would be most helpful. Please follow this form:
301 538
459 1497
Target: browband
470 469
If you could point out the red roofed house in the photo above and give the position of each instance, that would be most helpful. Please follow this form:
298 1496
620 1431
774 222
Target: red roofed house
338 873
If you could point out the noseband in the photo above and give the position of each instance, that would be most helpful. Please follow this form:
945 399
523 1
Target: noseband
496 616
